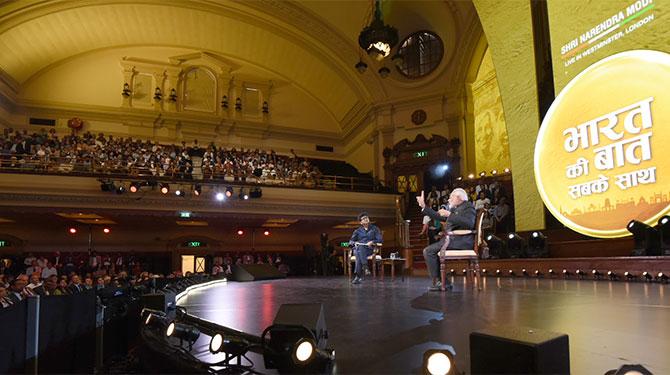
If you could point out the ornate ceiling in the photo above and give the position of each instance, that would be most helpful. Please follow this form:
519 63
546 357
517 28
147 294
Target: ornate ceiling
311 46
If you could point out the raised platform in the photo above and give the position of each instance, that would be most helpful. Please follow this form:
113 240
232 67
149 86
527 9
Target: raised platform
383 327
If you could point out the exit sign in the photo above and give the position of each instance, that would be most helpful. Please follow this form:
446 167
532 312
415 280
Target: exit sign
344 244
421 154
4 244
194 244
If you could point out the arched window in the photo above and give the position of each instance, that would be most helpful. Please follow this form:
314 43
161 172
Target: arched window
200 90
421 52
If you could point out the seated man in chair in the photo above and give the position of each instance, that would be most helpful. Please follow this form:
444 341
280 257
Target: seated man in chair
459 215
363 240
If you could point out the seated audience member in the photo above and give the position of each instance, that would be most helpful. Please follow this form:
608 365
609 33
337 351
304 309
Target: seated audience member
88 283
5 301
51 286
33 268
62 289
16 287
49 270
481 201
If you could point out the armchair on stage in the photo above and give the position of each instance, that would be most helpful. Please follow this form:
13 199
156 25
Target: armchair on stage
472 256
374 259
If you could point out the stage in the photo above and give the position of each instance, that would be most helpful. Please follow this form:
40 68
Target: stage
385 326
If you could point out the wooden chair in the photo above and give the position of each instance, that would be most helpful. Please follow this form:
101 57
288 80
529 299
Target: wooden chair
472 256
374 259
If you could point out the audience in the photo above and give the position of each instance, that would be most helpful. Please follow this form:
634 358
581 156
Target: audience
100 154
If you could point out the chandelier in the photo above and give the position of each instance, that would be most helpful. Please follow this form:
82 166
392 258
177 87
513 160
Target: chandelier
378 39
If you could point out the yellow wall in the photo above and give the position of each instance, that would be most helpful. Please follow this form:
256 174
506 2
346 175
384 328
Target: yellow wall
508 28
491 142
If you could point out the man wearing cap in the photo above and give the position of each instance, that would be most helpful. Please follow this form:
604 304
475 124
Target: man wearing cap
366 235
460 214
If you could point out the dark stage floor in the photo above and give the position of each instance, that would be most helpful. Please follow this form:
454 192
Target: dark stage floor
385 326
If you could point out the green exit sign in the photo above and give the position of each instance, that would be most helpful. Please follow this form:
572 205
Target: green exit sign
421 154
194 244
4 244
344 244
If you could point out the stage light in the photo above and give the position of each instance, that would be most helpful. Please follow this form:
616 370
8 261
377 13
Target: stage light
293 349
72 230
496 247
538 273
134 187
497 272
471 176
197 190
647 276
439 362
182 332
459 178
511 273
629 370
662 277
242 194
107 185
645 239
482 174
120 189
566 273
220 197
484 271
515 245
629 276
494 172
612 275
537 245
240 232
255 193
106 230
551 272
229 191
596 274
165 188
579 273
154 318
266 233
664 234
506 170
452 272
231 345
524 272
180 193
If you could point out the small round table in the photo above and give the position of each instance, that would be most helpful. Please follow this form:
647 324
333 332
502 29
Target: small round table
393 262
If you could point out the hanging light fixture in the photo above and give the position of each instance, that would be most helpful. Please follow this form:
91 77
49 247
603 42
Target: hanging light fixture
377 39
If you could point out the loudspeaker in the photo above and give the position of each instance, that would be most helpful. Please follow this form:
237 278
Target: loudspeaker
517 350
253 272
158 301
309 315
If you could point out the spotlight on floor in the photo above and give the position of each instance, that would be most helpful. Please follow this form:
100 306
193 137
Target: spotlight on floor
629 370
629 276
220 197
439 362
164 188
484 271
154 318
661 277
497 272
293 349
524 272
664 234
596 274
537 245
551 272
647 276
452 272
183 332
516 245
464 272
612 275
229 344
645 239
229 191
197 190
566 273
538 273
496 247
179 192
120 189
510 273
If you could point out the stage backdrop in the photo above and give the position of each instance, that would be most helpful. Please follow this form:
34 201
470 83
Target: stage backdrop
601 153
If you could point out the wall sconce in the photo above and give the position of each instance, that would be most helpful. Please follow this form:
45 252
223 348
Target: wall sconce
173 95
361 66
238 104
384 72
126 90
224 102
158 95
266 107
